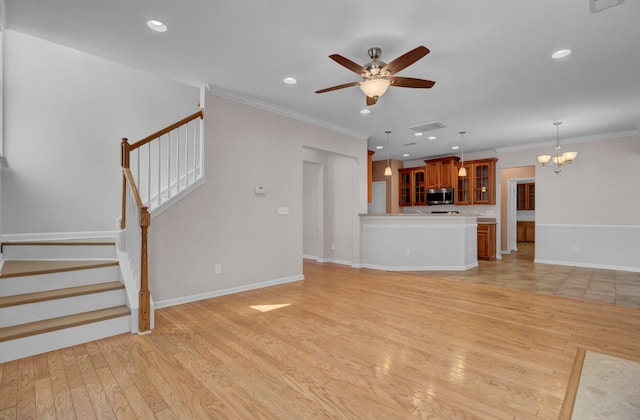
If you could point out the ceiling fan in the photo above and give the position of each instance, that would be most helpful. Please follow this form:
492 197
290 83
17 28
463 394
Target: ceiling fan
377 75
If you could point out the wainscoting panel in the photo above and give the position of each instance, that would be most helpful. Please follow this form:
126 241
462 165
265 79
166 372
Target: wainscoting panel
614 247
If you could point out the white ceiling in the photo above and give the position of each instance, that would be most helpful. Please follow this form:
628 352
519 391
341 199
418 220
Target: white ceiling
490 60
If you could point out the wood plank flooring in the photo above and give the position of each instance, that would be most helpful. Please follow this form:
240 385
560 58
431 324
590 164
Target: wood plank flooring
343 343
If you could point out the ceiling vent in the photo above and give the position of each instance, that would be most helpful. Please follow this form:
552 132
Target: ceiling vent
599 5
429 127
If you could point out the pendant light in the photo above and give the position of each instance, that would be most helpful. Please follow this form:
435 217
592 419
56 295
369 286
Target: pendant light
462 171
387 170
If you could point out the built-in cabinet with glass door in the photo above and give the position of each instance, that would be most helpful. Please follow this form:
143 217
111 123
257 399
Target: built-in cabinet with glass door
478 186
526 196
412 187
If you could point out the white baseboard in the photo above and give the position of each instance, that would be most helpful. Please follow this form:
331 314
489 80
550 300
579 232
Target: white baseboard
587 265
215 293
421 268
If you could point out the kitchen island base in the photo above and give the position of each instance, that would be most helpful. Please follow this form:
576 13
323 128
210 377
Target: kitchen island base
416 242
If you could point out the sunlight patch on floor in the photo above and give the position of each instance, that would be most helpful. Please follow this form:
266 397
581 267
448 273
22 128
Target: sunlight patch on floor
267 308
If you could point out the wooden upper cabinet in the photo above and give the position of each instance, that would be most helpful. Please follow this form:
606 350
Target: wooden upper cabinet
442 172
412 187
479 186
526 196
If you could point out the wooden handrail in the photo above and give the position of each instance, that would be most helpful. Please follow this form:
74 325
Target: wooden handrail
134 190
199 114
144 295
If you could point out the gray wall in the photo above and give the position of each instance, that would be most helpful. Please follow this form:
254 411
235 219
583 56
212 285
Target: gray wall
225 222
64 114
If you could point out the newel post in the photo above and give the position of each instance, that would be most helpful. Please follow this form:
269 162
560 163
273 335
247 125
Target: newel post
144 296
125 150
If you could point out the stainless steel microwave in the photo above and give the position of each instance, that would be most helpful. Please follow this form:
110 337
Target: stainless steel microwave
440 196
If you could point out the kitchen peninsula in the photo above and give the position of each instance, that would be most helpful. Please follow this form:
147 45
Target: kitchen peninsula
413 241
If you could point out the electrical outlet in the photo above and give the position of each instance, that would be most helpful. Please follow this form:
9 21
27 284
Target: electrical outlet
333 247
218 268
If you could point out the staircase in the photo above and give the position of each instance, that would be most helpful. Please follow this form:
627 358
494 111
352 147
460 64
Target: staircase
59 293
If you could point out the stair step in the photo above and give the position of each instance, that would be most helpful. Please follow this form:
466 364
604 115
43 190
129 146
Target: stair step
54 324
35 267
77 242
59 249
59 294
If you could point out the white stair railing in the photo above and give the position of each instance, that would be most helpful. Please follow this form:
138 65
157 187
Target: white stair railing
168 162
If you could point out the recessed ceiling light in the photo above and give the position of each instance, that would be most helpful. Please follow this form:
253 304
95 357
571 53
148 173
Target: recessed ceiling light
379 147
431 137
560 54
418 134
365 112
290 80
455 147
156 25
405 155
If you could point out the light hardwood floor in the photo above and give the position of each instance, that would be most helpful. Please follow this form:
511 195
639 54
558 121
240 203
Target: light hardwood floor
346 343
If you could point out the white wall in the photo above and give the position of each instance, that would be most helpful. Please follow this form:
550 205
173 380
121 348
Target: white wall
225 222
588 215
65 112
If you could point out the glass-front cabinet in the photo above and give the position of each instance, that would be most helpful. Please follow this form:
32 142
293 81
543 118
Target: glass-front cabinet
404 177
478 186
526 196
412 187
463 190
419 193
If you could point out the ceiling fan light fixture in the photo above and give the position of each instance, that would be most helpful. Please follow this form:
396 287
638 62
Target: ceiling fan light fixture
374 88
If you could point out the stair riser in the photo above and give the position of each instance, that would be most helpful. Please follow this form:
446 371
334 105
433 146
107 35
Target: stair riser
28 284
22 314
58 252
42 343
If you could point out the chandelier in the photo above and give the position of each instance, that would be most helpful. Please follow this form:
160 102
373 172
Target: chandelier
558 159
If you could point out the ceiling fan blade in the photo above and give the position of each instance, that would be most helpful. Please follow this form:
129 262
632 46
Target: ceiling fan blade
371 101
410 82
354 67
405 60
329 89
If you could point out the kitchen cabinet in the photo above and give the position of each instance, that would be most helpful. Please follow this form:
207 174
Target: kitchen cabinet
526 196
478 186
526 231
486 241
442 172
412 187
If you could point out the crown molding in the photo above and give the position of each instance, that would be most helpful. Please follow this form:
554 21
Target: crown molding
257 103
565 141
